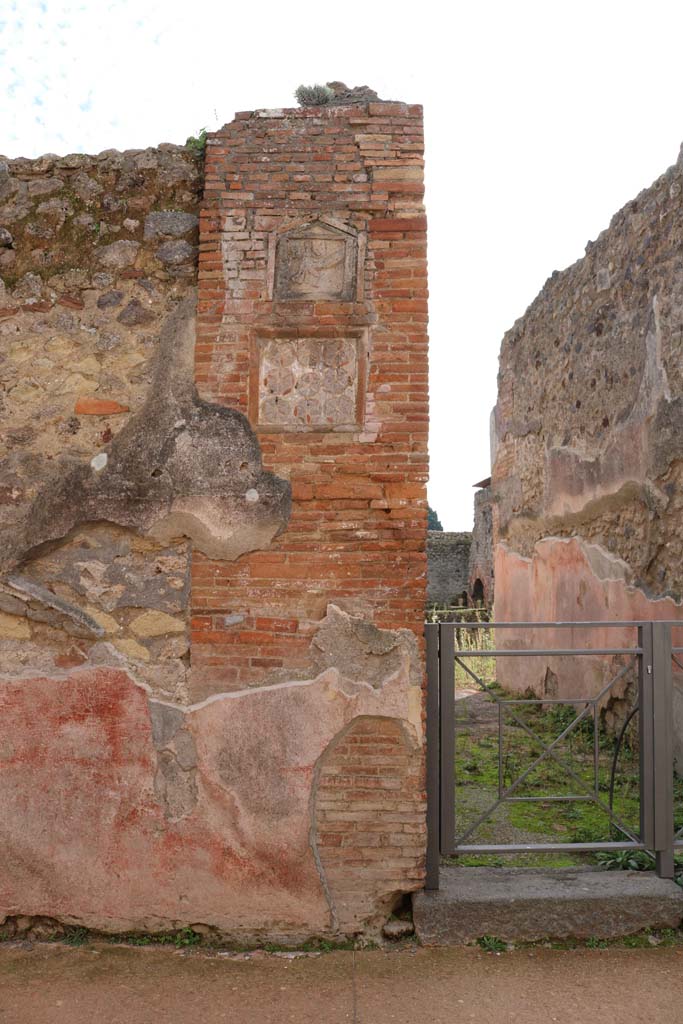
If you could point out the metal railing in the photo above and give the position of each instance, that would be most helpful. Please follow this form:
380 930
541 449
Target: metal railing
652 655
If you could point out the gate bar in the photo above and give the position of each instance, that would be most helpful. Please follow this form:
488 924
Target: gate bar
595 623
503 848
536 652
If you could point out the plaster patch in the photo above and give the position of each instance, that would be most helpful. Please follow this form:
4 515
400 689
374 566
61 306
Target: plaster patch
204 828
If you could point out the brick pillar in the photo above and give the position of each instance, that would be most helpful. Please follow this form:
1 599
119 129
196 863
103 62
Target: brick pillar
313 322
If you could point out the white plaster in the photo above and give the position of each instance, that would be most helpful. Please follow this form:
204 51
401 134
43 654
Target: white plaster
654 384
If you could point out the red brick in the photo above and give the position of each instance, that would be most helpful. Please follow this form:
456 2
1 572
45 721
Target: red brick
87 405
397 224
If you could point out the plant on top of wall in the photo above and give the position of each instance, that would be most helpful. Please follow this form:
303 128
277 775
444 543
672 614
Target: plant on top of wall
197 143
313 95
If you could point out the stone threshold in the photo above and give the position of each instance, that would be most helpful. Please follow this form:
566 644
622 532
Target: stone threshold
530 904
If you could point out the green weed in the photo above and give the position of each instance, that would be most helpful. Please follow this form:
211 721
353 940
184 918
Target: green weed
133 939
625 860
76 936
491 944
312 946
186 937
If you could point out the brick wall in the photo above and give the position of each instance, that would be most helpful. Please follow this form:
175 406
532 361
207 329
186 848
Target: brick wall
331 369
369 819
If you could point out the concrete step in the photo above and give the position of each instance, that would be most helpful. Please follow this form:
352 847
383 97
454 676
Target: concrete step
527 904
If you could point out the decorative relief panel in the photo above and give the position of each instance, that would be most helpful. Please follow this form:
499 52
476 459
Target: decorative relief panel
316 261
308 383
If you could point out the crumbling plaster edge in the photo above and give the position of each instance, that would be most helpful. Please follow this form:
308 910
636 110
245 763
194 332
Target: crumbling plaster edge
331 674
594 554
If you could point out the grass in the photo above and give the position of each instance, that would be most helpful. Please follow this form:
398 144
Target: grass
468 640
480 762
78 936
650 937
187 938
543 810
315 946
625 860
526 860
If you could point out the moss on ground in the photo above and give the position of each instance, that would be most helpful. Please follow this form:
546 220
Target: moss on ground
481 763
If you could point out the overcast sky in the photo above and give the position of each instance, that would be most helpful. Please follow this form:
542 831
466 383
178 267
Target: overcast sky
542 119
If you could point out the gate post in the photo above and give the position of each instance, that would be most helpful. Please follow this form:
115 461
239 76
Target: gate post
447 737
646 736
432 756
663 770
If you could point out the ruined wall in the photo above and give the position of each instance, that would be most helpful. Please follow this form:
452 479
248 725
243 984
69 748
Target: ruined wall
480 566
448 558
589 427
259 457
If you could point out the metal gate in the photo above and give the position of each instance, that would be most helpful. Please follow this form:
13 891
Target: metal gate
649 659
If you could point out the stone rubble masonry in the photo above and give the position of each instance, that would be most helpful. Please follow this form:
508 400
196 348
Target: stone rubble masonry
353 177
460 565
448 559
84 292
588 432
481 552
212 529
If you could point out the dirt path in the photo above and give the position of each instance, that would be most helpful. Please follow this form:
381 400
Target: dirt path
113 985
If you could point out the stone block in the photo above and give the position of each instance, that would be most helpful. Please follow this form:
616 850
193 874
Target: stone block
14 628
118 255
107 622
132 649
308 382
153 623
169 223
525 905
